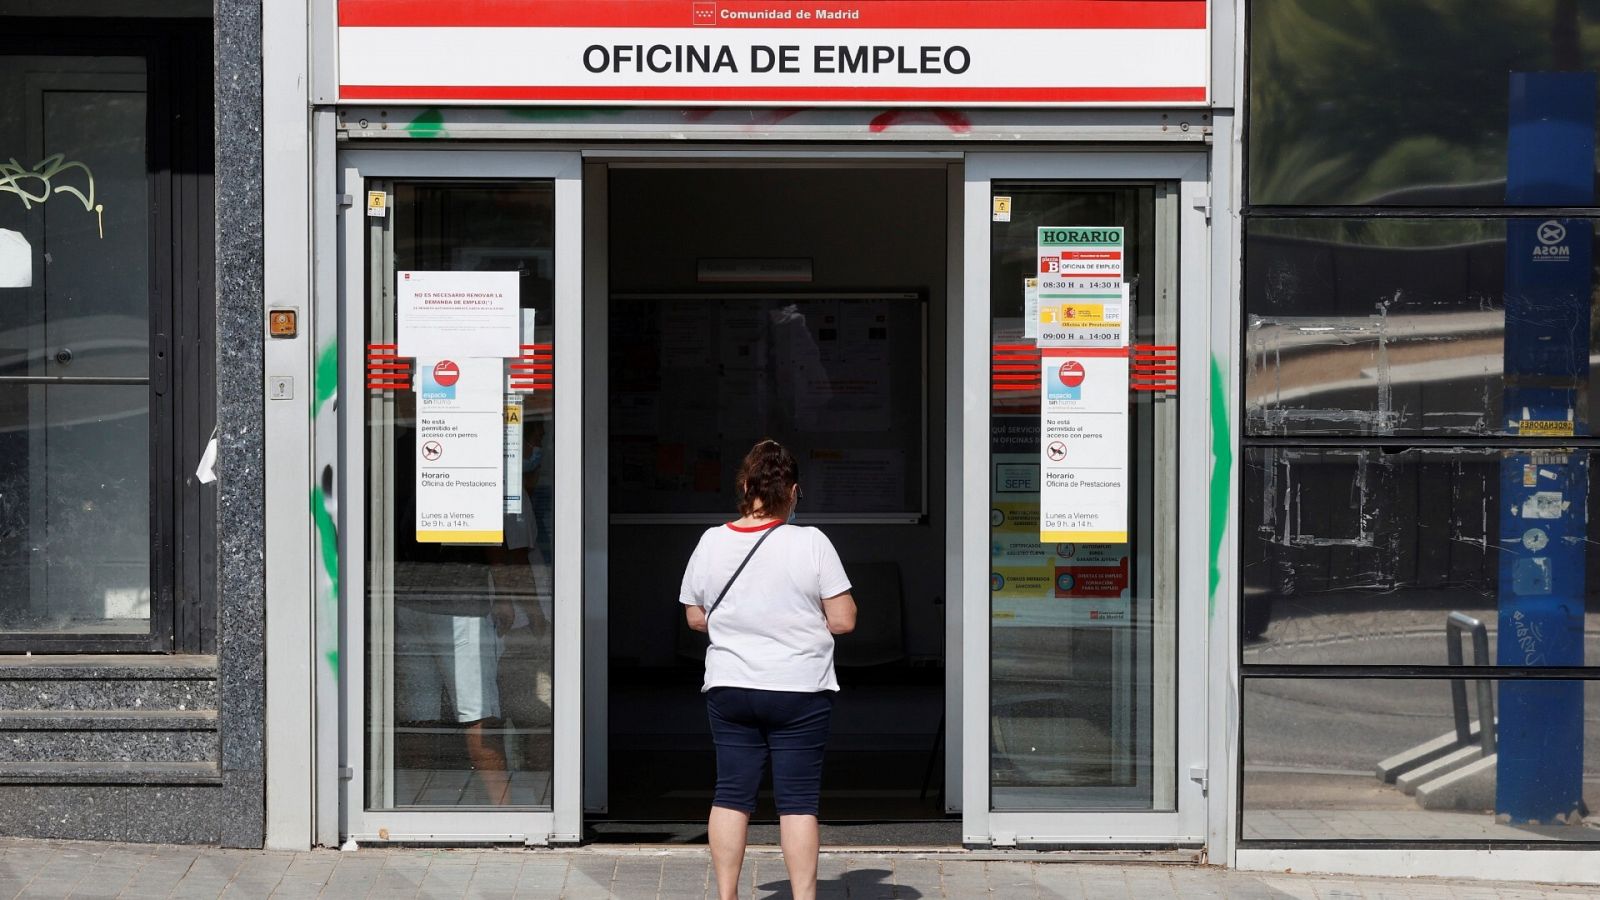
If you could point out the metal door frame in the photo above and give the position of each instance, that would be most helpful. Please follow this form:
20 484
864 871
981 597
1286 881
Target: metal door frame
564 821
598 161
982 825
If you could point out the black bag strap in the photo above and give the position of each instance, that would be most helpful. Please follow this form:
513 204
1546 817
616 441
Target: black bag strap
735 577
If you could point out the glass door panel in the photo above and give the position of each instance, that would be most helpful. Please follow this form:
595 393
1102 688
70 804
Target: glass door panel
462 723
1074 626
1087 707
459 639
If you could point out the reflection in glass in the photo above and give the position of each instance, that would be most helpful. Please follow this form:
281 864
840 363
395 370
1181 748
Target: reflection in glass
75 477
75 508
1393 327
1337 759
459 636
1356 556
1403 102
1081 689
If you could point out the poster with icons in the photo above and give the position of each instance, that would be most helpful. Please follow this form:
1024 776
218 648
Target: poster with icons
460 459
1083 408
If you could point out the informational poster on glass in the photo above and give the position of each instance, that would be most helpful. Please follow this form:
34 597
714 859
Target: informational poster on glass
839 378
458 314
1083 410
1084 432
1034 582
460 450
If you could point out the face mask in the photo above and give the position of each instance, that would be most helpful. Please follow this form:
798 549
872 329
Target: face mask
792 508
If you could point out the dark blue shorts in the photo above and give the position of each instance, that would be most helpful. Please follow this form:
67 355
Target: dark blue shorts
750 727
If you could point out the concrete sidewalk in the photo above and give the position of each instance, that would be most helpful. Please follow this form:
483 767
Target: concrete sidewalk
50 870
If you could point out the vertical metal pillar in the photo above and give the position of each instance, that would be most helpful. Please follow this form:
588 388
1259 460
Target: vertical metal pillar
1543 521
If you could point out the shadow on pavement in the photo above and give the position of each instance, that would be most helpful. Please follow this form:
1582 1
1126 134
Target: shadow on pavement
854 883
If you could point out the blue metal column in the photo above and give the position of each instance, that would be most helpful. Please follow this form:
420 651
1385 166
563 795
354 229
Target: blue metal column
1543 521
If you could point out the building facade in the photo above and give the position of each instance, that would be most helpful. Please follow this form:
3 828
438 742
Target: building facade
1061 305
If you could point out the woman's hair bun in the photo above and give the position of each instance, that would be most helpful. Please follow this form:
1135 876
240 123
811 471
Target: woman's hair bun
768 475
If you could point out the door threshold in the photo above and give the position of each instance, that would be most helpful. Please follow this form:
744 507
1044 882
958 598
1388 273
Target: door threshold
1186 857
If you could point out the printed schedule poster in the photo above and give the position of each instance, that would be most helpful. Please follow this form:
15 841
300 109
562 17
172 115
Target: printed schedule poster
460 450
1080 298
458 314
1083 453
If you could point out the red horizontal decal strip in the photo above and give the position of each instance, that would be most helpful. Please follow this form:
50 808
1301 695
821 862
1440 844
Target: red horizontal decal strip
963 14
1060 352
1016 387
732 94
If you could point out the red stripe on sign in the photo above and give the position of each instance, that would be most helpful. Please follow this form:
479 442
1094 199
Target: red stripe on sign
1061 352
691 94
710 14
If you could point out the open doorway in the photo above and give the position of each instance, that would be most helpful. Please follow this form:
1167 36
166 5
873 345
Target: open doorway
804 304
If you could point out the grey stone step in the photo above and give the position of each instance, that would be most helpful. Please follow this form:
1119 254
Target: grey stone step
77 735
108 720
130 773
108 683
120 745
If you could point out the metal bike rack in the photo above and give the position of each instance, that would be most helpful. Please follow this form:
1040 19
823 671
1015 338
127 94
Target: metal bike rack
1456 625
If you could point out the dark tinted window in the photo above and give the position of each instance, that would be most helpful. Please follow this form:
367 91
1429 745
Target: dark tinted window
1398 326
1399 102
1356 555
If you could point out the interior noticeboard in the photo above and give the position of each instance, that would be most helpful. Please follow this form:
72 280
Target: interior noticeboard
839 378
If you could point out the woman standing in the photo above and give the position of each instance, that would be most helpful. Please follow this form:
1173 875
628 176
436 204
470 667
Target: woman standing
772 596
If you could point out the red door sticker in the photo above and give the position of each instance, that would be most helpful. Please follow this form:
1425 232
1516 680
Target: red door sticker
446 373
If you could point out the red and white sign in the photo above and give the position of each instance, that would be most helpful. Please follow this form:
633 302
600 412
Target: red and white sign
446 373
782 53
1070 373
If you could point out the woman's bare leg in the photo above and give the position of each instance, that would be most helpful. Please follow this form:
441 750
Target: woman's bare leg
800 837
727 831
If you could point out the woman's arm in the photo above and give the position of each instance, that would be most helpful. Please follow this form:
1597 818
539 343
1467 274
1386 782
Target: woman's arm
696 616
840 610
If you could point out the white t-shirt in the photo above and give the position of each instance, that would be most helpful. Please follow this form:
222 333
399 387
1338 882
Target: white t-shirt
770 632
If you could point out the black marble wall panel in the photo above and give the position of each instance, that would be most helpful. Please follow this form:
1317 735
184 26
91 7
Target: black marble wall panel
241 514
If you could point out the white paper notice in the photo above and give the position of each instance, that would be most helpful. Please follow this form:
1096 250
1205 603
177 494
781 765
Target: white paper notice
16 260
460 450
1083 414
1083 459
458 314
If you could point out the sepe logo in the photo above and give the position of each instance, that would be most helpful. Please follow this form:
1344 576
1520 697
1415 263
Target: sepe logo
1552 246
704 13
1068 383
